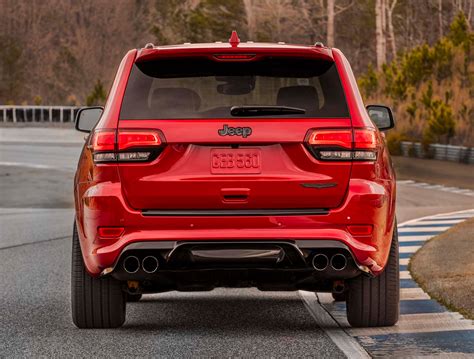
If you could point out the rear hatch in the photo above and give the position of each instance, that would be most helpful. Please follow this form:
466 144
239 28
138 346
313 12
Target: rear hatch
233 134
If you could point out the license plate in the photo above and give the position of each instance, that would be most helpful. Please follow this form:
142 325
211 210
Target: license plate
235 161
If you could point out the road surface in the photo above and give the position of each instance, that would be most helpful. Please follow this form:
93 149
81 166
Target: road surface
35 250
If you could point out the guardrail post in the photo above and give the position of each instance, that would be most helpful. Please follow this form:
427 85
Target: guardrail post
4 115
14 114
50 114
61 115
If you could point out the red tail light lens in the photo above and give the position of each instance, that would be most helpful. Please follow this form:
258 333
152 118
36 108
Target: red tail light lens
126 145
365 139
331 138
127 139
343 144
103 141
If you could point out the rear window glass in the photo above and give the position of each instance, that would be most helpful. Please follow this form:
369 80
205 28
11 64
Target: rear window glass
202 88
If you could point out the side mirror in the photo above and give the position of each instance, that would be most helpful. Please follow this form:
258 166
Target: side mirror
87 118
382 117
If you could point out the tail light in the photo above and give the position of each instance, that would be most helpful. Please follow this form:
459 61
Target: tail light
343 144
126 145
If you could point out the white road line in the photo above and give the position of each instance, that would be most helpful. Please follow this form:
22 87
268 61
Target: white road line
404 261
422 229
413 238
409 249
345 342
33 165
465 215
419 323
404 274
445 221
405 181
457 214
413 294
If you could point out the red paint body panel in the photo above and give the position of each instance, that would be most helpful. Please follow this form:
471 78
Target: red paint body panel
113 195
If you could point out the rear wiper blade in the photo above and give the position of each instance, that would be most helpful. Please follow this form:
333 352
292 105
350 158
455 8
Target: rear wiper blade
265 110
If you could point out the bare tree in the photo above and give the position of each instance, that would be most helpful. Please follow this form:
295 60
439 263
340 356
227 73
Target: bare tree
330 24
391 34
332 12
249 6
380 39
440 17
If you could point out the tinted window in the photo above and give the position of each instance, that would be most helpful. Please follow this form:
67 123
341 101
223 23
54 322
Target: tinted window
203 88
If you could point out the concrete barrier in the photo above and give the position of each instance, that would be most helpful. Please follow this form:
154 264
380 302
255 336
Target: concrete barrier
439 152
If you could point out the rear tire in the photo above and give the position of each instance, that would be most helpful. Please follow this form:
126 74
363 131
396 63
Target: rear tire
339 297
96 302
133 297
375 302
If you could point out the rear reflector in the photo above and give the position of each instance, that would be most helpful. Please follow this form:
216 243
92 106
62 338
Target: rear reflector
360 230
110 232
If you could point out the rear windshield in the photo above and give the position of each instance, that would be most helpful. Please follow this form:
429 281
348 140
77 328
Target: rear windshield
194 88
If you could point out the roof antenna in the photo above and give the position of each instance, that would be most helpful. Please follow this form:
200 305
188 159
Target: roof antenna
234 40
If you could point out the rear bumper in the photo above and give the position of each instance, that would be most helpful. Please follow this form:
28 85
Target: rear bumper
367 202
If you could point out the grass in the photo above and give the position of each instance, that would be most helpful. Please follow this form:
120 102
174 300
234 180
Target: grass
444 268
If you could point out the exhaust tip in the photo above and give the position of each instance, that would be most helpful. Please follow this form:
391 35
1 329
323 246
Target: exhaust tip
131 264
320 262
150 264
338 262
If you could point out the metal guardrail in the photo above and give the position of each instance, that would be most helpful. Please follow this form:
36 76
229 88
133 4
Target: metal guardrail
66 114
25 114
439 152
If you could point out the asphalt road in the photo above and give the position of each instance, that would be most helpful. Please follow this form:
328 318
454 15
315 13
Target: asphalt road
35 250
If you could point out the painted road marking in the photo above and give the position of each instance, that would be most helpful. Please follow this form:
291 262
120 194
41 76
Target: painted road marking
404 261
405 275
348 344
409 249
425 328
413 238
35 166
416 229
413 293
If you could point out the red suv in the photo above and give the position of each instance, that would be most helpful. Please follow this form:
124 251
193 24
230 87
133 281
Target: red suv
234 165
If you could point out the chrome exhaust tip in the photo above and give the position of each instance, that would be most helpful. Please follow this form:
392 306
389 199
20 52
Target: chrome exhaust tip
131 264
320 262
150 264
338 262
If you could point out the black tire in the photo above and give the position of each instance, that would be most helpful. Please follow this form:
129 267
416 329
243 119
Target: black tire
133 297
96 302
339 297
375 302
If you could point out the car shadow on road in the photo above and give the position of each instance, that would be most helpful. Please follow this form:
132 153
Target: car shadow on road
222 314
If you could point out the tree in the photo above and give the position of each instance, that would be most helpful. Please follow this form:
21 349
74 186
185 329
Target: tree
380 40
331 14
97 96
330 25
391 34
